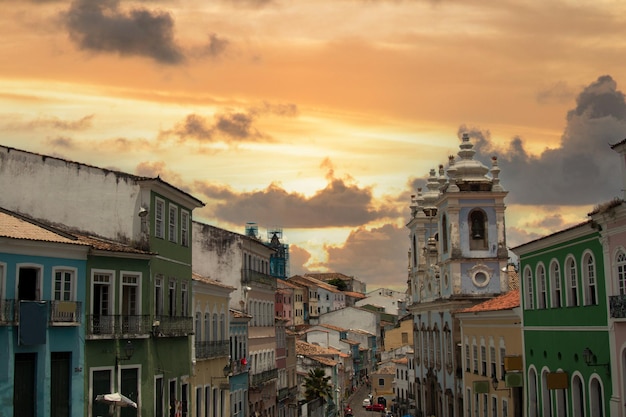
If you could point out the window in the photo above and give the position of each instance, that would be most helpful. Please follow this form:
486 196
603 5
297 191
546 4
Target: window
589 277
63 285
158 295
159 214
102 291
29 283
215 329
483 358
528 289
172 298
131 320
492 359
494 406
444 232
502 356
405 338
381 382
475 356
572 282
173 223
222 327
467 356
541 281
620 262
478 230
555 285
184 228
184 298
207 327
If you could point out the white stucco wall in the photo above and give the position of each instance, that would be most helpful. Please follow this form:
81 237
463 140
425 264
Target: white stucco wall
69 193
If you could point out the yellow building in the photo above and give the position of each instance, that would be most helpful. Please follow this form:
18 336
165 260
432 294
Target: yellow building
210 348
401 335
491 354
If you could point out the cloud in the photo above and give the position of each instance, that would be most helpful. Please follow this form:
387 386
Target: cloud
159 169
377 255
582 169
231 126
215 47
101 26
62 142
340 204
83 123
298 257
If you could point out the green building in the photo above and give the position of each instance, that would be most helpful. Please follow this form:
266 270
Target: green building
565 331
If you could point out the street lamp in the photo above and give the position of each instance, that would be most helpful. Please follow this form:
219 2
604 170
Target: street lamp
129 350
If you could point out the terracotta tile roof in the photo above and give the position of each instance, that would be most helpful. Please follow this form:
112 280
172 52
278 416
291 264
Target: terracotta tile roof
308 281
386 370
285 283
326 276
355 294
350 341
359 331
324 360
239 314
401 361
107 245
333 327
14 226
310 350
197 277
506 301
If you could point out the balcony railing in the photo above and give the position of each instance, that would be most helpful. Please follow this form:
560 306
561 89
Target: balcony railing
206 350
283 394
263 377
7 312
174 326
248 276
65 312
59 312
237 367
617 305
117 325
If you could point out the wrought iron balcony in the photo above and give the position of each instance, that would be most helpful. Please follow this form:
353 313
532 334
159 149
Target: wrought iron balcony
7 312
617 306
118 325
263 377
173 326
283 394
65 312
248 276
206 350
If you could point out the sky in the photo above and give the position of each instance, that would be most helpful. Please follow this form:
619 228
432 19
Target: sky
322 117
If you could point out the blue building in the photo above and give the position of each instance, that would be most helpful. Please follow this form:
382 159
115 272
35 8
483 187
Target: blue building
42 293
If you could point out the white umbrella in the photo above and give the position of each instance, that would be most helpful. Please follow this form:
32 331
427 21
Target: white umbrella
116 400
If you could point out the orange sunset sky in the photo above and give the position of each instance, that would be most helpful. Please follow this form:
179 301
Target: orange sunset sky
322 117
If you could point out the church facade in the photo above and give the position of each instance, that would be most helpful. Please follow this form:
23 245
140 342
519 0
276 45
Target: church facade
458 257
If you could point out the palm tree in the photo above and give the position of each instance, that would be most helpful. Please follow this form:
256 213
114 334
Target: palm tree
316 384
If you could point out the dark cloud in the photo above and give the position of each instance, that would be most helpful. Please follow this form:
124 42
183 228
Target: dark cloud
159 169
559 92
234 126
298 257
215 47
62 142
375 256
101 26
582 170
339 204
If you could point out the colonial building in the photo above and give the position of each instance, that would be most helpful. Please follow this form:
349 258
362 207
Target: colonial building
492 356
138 323
457 254
42 291
566 338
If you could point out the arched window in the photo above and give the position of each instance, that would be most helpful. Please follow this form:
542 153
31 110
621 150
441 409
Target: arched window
533 405
198 327
529 302
546 403
214 326
437 347
571 280
620 263
578 397
555 285
478 229
541 282
444 233
589 277
222 327
207 327
596 398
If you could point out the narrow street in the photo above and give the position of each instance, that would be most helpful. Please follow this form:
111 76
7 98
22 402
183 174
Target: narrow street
356 403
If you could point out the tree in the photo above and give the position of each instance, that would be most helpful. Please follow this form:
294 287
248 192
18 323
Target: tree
316 384
340 284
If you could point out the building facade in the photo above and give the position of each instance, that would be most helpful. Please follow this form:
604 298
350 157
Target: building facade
457 253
